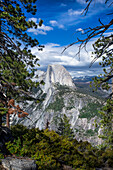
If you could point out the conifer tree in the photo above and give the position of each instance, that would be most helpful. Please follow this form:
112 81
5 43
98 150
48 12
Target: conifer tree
64 128
17 64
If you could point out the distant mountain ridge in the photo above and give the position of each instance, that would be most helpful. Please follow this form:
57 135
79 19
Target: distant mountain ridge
87 79
82 83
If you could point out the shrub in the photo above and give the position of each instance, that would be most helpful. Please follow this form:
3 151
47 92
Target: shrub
52 151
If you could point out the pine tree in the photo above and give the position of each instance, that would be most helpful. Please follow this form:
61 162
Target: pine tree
17 64
64 128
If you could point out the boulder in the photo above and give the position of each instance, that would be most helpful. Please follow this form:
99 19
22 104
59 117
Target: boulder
10 163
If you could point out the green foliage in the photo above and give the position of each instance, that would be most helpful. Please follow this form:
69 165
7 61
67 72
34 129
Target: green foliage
63 89
106 123
90 111
52 151
89 132
3 110
57 105
17 64
14 148
107 157
64 128
70 104
15 61
107 111
103 48
84 89
107 61
1 156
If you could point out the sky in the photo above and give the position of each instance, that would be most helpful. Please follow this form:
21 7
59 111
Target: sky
63 23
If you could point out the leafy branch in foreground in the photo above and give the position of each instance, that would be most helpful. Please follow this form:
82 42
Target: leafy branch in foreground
17 63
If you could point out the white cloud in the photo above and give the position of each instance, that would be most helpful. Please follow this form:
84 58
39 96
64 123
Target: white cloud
52 45
85 72
101 1
84 2
36 31
61 26
33 19
63 5
80 30
54 23
74 12
51 54
45 28
40 30
81 1
108 33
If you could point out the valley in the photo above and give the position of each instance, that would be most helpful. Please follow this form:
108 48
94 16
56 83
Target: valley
64 96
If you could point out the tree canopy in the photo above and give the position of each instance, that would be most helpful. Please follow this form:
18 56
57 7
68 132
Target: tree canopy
17 64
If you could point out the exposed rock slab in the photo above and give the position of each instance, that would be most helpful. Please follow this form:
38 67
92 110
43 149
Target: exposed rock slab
10 163
57 74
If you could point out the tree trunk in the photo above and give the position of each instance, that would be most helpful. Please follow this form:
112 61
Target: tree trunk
112 90
0 114
112 99
0 120
7 120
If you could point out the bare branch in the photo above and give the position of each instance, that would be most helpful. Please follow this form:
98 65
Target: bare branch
91 33
100 22
87 7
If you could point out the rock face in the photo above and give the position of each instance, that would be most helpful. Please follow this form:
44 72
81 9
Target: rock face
62 98
57 74
10 163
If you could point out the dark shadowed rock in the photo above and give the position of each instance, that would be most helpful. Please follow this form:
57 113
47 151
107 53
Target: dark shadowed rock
5 136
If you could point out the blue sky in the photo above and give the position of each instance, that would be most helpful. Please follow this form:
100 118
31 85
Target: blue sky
63 23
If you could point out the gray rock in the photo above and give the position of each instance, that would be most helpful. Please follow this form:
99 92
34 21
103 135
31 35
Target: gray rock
10 163
57 74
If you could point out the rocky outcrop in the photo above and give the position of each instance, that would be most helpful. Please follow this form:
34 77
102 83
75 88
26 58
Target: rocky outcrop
57 74
10 163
